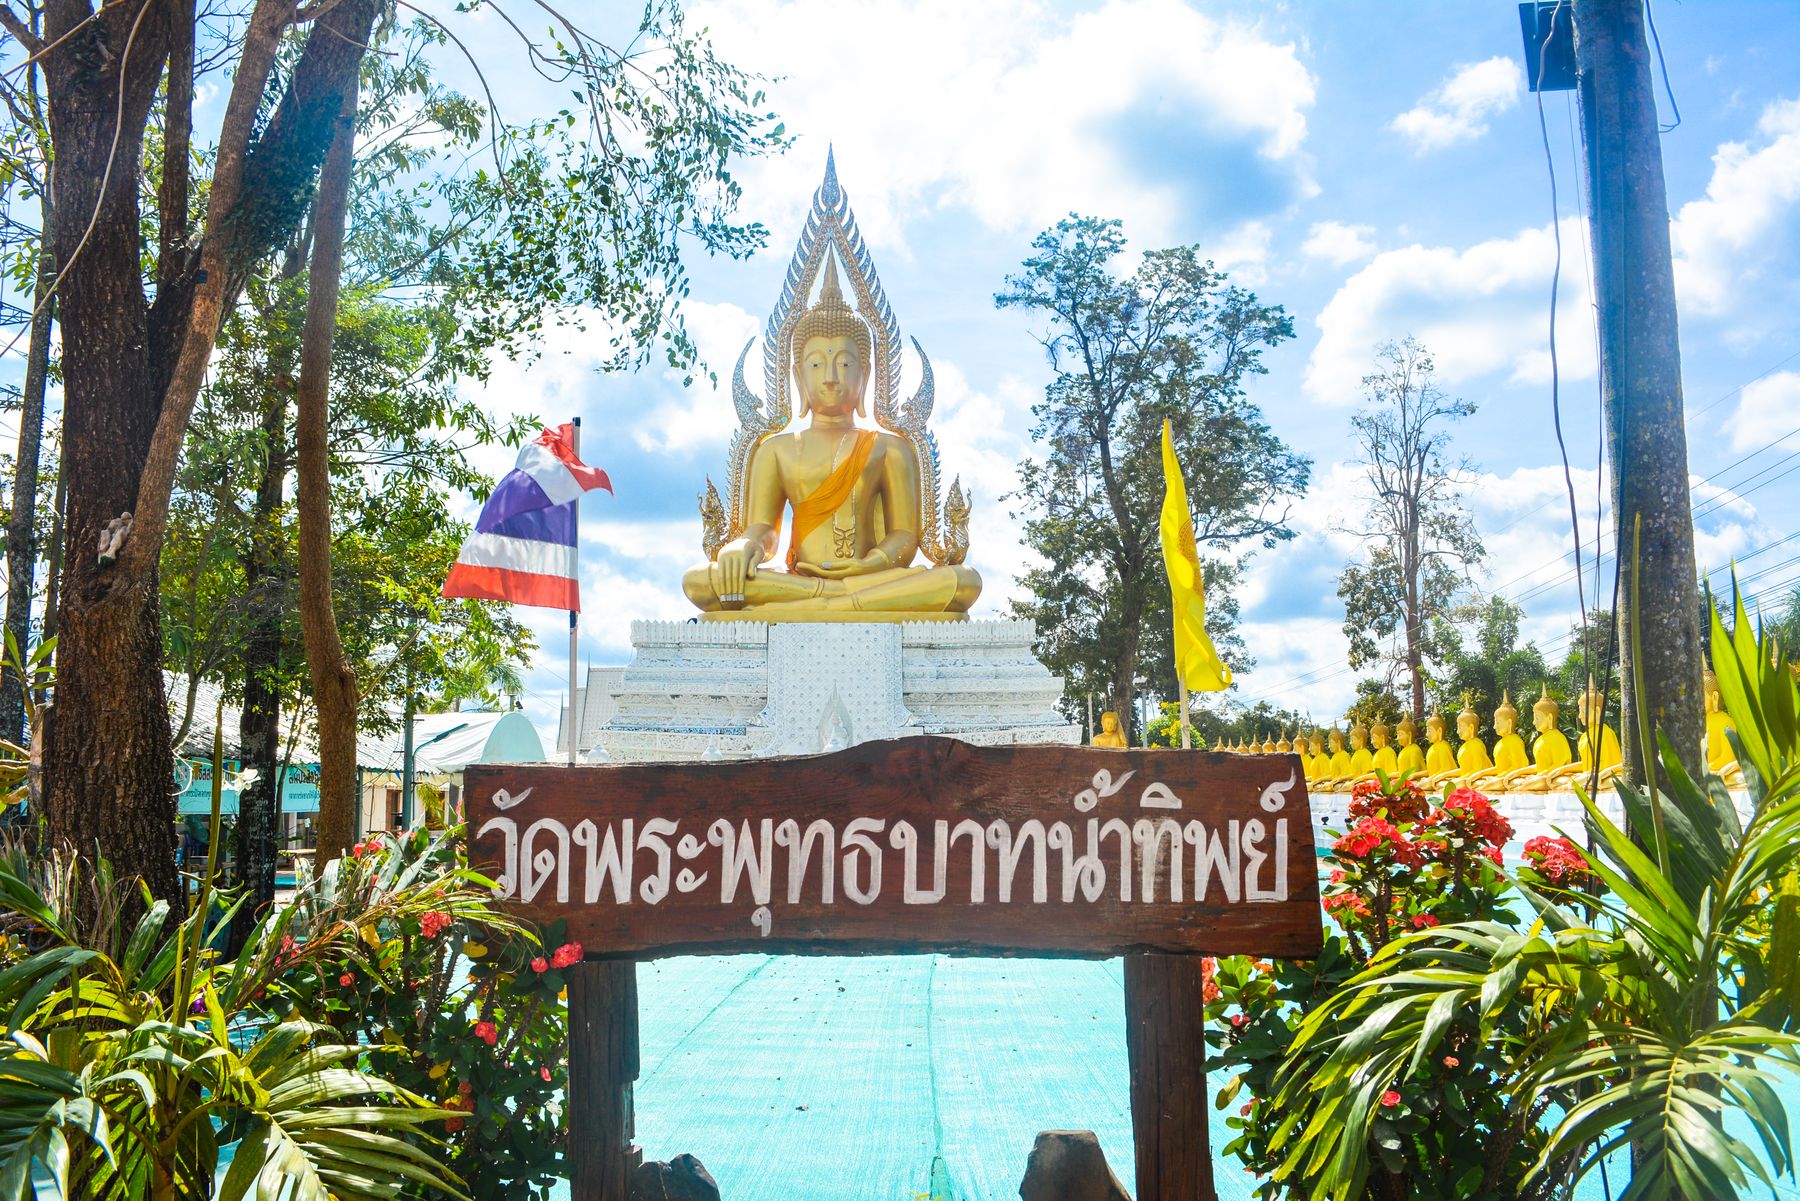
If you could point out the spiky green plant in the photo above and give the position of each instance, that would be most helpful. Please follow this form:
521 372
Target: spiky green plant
138 1058
1658 1014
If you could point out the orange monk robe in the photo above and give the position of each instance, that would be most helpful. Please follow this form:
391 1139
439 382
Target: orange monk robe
829 497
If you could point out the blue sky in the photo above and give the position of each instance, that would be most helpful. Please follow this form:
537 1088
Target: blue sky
1374 167
1377 168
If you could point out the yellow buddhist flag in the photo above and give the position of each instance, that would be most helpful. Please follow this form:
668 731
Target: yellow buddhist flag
1196 662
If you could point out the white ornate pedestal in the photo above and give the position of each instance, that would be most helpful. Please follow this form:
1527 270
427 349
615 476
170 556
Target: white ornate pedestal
740 689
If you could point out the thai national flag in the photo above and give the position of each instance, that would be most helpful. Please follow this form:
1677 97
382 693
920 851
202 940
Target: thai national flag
523 547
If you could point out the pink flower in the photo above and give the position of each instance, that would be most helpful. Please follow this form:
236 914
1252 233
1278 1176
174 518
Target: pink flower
346 979
567 955
433 923
1451 1061
540 965
1245 1111
544 1073
1390 1099
1240 1020
487 1032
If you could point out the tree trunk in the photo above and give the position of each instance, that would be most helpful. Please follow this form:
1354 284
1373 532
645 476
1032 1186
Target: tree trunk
21 534
259 725
334 681
1640 378
109 767
1124 684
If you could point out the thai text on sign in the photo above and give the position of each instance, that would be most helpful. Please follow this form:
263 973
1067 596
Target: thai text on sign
917 844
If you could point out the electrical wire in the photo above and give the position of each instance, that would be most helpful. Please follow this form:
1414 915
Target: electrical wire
1655 40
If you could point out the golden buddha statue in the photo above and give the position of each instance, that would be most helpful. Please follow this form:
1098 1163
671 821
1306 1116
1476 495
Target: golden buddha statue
1362 759
1594 731
1550 753
1109 734
1472 762
1338 773
864 501
1282 745
1409 758
1387 761
1720 758
1440 760
1268 745
1318 763
1509 749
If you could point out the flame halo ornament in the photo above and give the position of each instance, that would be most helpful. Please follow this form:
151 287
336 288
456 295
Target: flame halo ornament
832 225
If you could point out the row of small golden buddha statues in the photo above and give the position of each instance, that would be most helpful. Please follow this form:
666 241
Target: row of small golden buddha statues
1550 766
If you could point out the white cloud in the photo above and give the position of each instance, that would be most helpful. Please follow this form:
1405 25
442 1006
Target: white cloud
1338 243
1767 409
1736 232
1457 109
1056 99
1481 310
701 414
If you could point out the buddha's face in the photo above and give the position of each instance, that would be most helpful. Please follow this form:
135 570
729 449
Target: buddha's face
1504 723
1467 726
1316 743
1434 728
1380 736
1337 741
1109 723
1403 734
1543 719
1359 739
832 376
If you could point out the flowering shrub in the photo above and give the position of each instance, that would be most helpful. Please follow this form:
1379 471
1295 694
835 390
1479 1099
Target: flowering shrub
1404 865
463 1008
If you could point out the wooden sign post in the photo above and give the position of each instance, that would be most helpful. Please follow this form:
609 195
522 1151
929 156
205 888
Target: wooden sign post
917 845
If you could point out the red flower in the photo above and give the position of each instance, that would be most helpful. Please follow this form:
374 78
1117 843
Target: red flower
346 979
1240 1020
1471 815
358 849
1558 860
464 1088
433 923
487 1032
545 1074
567 955
1244 1111
1390 1099
1451 1061
540 965
1401 802
1424 921
452 1125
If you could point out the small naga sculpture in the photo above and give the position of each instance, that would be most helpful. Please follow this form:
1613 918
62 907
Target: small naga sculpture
863 502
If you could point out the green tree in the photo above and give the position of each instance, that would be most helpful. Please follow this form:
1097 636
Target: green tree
1495 665
1375 702
1174 340
1421 540
588 211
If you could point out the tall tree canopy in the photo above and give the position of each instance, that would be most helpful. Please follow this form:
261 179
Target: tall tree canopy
1421 541
1171 339
586 213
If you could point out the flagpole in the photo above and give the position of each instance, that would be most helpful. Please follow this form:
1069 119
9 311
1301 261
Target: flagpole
575 618
1187 735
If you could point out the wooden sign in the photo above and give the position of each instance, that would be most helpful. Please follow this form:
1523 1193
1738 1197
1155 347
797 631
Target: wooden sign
919 844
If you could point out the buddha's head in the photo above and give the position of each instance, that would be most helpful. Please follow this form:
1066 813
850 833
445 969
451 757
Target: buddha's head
1336 738
1506 717
1282 745
1407 732
1543 712
1378 734
1714 702
1316 742
1434 728
1590 705
832 353
1359 736
1109 723
1468 722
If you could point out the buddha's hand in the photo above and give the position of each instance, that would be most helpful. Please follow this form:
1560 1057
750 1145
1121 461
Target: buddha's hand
736 564
837 569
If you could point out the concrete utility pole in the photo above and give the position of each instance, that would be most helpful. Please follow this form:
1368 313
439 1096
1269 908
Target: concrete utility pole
1640 382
